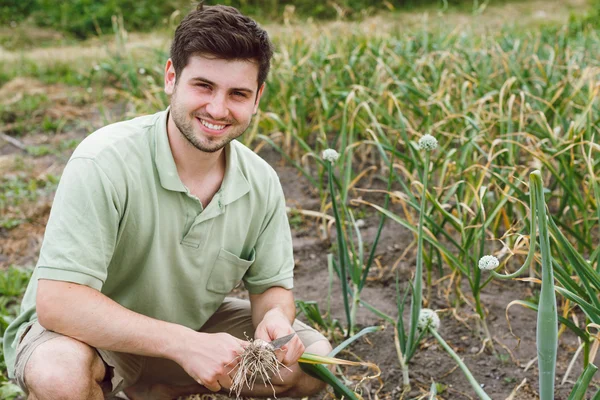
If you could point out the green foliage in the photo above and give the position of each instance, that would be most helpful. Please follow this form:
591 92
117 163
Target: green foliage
13 282
10 391
595 14
15 10
20 114
15 191
84 18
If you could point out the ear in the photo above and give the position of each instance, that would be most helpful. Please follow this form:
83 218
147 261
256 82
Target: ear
170 78
258 96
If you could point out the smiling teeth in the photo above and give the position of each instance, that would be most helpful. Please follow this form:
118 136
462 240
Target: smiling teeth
212 126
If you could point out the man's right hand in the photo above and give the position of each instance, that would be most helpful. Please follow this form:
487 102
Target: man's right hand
210 358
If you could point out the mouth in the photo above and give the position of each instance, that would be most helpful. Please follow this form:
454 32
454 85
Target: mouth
215 128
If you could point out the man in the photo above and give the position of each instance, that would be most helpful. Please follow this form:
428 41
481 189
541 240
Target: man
154 221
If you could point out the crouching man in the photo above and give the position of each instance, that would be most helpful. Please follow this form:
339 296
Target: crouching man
154 222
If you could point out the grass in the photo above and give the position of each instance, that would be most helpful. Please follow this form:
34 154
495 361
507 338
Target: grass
13 282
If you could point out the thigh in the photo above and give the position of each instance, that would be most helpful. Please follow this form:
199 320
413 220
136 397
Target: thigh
34 336
234 316
120 369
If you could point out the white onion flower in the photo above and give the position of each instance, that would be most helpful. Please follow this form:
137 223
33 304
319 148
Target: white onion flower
428 142
330 155
557 130
428 319
488 262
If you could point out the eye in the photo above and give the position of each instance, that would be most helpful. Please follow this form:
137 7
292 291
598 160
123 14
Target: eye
203 85
239 94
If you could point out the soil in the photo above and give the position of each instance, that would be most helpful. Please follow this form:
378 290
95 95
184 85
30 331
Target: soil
500 375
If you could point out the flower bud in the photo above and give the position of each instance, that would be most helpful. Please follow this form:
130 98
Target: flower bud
488 262
330 155
428 319
428 142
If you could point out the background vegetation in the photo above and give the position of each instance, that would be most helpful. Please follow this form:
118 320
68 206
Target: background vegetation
85 18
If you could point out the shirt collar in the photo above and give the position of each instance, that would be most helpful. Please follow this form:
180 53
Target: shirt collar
235 184
163 159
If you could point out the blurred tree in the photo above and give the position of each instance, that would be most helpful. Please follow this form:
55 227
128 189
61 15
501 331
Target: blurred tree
84 18
15 10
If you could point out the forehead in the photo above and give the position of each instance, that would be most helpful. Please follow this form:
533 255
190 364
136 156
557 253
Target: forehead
224 73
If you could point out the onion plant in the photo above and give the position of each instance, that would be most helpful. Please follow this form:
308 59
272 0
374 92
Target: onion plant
351 267
407 340
427 143
547 331
430 322
315 365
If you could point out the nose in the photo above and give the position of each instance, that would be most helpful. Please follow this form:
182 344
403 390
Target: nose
217 107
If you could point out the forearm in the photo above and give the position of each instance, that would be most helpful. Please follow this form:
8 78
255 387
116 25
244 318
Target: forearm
273 299
89 316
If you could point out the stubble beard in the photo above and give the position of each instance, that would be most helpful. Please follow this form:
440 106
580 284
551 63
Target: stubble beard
185 125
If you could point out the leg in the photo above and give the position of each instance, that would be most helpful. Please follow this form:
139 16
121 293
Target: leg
294 383
64 368
301 384
165 380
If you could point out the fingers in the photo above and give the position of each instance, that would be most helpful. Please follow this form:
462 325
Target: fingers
225 381
292 351
213 386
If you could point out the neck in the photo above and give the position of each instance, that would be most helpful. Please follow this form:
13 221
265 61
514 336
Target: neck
192 164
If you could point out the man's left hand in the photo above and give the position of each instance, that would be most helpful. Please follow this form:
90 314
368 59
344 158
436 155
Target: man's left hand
275 325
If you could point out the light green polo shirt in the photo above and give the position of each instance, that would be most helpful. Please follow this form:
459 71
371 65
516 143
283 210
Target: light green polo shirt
122 222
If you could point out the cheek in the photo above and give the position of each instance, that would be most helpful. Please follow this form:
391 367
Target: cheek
243 112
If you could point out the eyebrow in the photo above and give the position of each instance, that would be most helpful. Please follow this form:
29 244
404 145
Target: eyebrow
240 89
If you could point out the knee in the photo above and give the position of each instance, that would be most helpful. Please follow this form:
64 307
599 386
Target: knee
308 385
64 368
321 348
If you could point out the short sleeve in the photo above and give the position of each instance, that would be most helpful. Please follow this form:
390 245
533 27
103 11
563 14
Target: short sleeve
274 258
82 229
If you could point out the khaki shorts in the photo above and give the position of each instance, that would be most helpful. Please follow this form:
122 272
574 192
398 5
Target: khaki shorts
124 370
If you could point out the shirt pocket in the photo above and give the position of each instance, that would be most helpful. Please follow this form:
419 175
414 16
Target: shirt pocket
227 271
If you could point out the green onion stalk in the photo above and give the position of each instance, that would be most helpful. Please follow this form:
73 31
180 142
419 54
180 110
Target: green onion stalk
314 365
429 321
547 322
350 268
407 344
330 156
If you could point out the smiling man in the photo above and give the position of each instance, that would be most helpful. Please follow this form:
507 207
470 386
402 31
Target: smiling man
154 222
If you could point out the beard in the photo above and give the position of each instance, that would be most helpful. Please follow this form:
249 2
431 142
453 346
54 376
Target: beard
186 124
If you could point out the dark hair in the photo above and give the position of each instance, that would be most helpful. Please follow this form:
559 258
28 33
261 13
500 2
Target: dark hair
222 32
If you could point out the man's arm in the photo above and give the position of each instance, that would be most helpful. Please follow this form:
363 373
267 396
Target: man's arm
89 316
273 313
275 298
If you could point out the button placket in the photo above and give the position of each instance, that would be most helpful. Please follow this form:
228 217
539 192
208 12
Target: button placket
202 224
193 209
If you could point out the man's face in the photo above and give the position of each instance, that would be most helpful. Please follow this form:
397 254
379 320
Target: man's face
213 100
